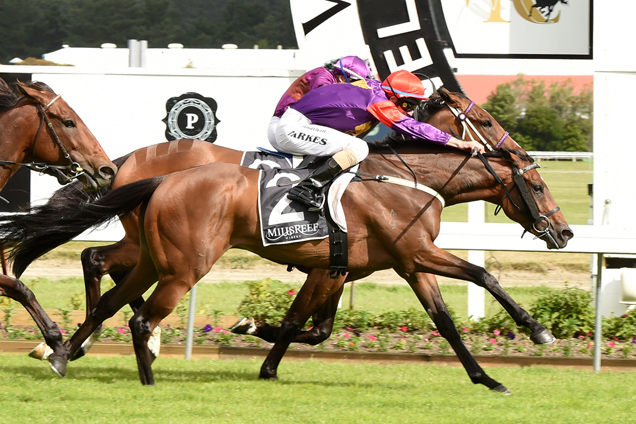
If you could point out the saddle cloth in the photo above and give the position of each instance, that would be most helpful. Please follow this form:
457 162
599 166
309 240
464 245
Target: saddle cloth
286 221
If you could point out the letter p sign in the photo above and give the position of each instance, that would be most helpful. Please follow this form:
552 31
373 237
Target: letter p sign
191 119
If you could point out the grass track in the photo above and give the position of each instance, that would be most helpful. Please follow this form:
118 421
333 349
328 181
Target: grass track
107 390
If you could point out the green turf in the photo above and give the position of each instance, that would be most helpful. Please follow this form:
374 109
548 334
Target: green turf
107 390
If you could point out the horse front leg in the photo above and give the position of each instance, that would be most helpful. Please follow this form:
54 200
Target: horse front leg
18 291
427 291
440 262
317 290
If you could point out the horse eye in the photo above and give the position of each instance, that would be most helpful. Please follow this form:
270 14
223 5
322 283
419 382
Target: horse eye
487 124
538 188
69 123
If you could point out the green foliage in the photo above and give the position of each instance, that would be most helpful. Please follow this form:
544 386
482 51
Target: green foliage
264 305
622 327
29 29
544 118
565 313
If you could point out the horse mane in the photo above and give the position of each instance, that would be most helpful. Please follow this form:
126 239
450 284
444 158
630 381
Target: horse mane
10 95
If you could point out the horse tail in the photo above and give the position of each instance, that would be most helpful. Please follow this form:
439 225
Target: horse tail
31 235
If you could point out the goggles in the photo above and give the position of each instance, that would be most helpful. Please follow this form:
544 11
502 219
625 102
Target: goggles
409 104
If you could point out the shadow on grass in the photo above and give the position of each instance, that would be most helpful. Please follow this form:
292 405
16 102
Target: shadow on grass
108 375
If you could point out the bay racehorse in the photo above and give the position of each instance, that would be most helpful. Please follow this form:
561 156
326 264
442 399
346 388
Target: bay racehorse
190 218
451 112
482 124
40 131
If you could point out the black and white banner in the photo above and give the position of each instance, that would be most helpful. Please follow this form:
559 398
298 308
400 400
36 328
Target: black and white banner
412 34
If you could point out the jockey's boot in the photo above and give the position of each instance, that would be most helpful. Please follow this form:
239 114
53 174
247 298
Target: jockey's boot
310 190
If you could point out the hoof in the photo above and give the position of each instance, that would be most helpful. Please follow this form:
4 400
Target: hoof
542 337
58 366
502 389
41 352
154 342
244 326
268 377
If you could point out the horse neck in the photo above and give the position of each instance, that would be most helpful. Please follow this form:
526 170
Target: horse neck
457 177
17 134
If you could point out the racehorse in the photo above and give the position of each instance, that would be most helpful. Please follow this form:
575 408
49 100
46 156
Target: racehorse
189 219
40 131
445 110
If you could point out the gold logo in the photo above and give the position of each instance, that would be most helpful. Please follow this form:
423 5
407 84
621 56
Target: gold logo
539 12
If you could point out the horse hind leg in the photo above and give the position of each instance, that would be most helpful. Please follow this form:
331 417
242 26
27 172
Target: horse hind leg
117 260
427 291
322 325
318 288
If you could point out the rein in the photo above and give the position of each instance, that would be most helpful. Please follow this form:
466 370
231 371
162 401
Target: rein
73 169
520 184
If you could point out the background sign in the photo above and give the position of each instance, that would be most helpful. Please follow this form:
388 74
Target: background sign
191 116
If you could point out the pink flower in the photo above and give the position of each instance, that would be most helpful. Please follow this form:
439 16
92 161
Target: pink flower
347 336
403 329
226 332
465 330
590 346
493 341
372 338
121 331
291 292
496 332
581 337
612 345
435 333
63 331
218 330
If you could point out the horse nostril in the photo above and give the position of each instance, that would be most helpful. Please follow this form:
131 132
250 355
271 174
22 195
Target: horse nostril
567 234
108 171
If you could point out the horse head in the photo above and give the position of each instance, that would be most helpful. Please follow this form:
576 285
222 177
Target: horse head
528 201
66 142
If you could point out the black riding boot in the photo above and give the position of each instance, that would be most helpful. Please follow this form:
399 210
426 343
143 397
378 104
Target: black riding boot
309 191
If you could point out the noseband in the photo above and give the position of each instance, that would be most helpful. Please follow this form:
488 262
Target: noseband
73 169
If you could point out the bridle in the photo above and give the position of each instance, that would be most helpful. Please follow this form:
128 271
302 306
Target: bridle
64 173
535 216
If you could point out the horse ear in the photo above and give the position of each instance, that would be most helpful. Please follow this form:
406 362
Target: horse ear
32 93
444 93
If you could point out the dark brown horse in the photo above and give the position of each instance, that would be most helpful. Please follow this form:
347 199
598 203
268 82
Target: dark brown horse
189 219
39 130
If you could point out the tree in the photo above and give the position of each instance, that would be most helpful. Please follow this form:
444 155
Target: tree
539 118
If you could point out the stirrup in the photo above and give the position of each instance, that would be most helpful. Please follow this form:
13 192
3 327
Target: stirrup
307 195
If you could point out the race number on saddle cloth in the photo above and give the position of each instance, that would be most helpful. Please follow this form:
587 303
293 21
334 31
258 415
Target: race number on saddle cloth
286 221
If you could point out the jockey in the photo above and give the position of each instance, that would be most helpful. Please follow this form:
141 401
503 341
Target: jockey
327 119
348 69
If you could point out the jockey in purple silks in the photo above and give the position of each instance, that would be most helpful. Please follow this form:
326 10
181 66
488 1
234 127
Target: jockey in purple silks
347 69
326 120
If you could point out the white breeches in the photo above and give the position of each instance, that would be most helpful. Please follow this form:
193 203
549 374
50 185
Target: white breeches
294 133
